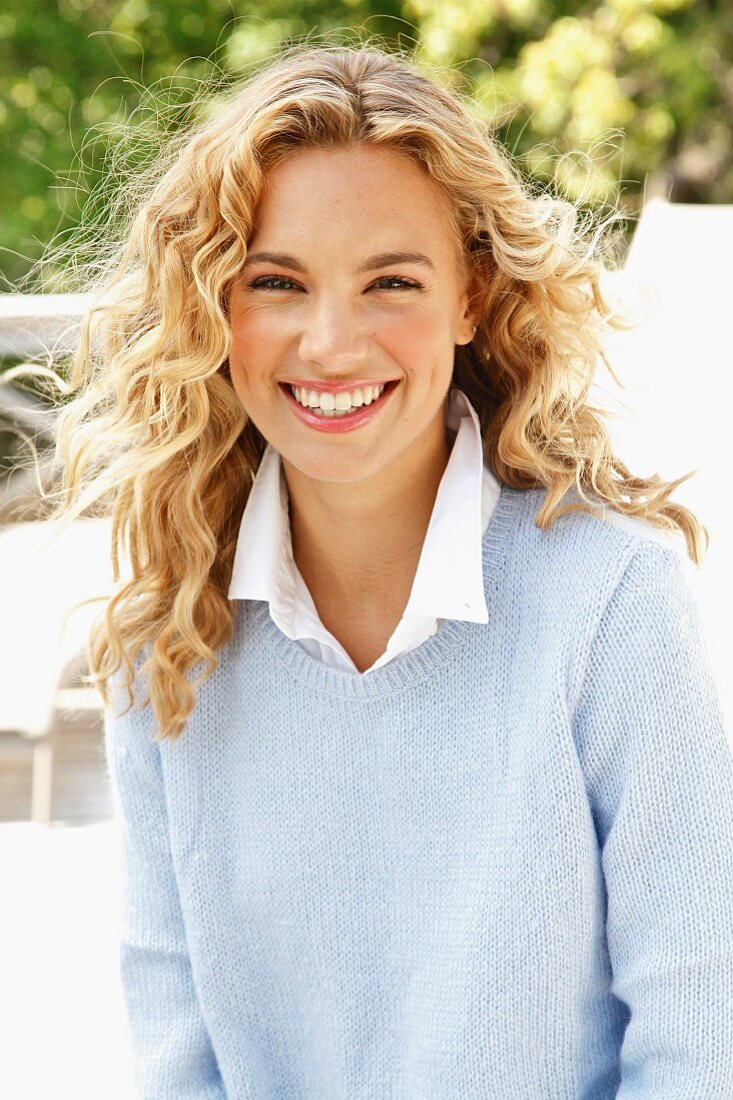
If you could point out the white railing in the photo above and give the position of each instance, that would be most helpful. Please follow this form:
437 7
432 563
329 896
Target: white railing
31 323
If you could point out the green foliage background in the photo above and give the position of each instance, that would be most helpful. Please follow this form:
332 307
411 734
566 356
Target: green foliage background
592 98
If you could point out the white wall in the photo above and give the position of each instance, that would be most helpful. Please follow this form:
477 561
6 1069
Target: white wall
675 414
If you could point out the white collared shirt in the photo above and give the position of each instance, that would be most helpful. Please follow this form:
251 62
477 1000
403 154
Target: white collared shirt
449 582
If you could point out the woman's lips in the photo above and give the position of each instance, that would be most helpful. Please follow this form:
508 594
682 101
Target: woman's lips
335 387
339 424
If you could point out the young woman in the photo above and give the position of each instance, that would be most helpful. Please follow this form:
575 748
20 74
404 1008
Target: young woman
448 810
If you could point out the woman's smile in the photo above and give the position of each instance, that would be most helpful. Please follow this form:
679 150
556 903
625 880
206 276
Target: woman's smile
340 412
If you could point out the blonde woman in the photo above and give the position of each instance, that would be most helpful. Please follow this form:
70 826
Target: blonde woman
425 791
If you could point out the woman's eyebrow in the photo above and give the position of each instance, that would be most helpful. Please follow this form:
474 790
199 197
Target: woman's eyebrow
381 259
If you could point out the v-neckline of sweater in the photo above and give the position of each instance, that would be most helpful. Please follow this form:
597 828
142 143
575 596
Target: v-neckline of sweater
410 668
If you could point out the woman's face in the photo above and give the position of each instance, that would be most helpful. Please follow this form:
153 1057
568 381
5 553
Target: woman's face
332 306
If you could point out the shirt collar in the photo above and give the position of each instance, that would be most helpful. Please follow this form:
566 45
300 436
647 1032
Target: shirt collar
260 557
449 581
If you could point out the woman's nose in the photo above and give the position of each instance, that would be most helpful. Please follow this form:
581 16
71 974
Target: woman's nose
332 335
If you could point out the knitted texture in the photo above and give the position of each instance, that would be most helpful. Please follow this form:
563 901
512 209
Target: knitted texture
500 867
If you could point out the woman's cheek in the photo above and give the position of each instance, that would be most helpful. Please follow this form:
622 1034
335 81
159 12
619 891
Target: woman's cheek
413 348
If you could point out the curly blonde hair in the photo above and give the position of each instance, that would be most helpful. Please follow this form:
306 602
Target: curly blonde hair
156 437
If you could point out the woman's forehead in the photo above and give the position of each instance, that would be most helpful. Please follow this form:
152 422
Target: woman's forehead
354 168
326 190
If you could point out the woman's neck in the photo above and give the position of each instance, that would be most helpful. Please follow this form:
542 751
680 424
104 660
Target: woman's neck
363 543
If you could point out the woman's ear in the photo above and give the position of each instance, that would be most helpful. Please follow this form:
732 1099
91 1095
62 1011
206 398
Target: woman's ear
470 307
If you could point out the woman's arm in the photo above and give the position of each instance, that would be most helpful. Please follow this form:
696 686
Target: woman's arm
659 770
172 1052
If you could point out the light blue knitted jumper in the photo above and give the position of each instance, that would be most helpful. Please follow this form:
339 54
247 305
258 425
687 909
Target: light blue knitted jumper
500 867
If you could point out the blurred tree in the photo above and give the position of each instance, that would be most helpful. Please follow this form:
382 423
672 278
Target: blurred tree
641 87
590 97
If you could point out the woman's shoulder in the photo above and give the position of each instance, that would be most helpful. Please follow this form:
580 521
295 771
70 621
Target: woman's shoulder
576 563
594 576
596 525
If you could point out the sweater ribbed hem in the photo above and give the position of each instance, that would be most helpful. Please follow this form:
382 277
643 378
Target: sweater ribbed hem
411 668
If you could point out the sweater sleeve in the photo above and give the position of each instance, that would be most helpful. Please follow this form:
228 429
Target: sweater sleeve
658 766
172 1052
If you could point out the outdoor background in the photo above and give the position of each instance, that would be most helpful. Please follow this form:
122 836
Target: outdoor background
638 87
624 105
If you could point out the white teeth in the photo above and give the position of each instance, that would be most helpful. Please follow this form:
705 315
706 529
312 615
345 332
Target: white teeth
338 402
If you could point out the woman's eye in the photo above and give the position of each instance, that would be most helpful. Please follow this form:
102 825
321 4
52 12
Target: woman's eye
401 283
268 280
